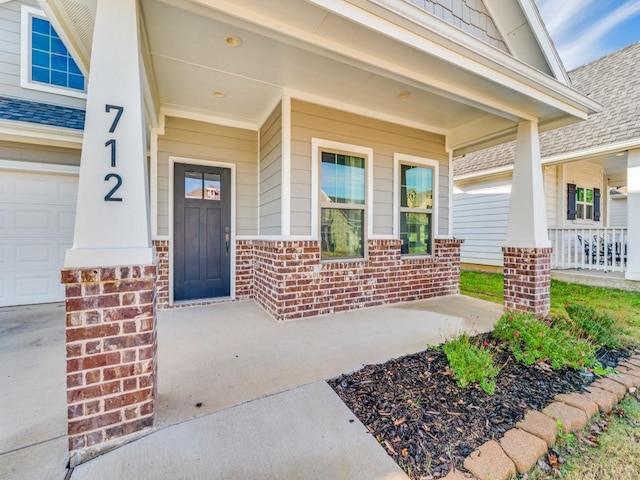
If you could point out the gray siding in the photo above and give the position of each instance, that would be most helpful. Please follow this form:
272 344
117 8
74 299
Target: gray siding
618 211
470 16
204 141
22 152
10 60
310 120
481 215
271 174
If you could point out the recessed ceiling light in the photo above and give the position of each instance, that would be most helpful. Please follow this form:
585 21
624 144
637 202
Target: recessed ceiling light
620 154
233 41
218 94
403 95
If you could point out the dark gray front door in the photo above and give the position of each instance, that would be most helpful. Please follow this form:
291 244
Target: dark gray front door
202 232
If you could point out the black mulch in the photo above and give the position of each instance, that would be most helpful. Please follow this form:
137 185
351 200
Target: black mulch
428 424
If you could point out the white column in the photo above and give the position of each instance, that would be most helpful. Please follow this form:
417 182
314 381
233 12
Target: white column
527 226
112 218
633 218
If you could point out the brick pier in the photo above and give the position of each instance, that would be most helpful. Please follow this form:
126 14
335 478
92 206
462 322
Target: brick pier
111 356
527 280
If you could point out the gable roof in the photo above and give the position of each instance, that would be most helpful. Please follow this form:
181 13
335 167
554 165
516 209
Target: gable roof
27 111
614 82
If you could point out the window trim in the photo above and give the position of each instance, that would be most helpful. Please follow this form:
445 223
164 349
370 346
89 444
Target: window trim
404 159
317 146
26 14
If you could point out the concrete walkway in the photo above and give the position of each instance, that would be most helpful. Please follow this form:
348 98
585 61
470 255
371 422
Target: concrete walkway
265 411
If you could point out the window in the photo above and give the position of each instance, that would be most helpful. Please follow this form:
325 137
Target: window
46 63
416 209
583 203
342 205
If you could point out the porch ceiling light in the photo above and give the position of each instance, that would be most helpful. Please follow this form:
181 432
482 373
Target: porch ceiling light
233 41
217 94
404 94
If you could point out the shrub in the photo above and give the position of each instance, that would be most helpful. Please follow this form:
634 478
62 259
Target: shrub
471 364
601 329
532 341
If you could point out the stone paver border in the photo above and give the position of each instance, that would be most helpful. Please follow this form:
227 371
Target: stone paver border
496 460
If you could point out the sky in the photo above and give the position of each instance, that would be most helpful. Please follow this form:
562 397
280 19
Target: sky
584 30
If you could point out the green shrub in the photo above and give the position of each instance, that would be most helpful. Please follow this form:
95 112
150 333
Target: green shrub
532 341
600 329
471 364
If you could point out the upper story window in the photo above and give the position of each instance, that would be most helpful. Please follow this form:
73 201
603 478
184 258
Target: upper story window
47 64
417 184
342 205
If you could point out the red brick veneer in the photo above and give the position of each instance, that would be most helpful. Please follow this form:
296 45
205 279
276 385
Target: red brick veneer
527 280
290 281
111 352
162 280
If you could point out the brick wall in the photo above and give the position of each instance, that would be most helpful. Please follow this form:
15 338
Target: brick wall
244 270
527 280
111 352
291 282
162 280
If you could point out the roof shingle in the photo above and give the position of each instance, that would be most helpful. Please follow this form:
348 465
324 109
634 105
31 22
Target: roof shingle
19 110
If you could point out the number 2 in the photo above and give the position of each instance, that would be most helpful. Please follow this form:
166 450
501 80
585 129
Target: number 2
109 196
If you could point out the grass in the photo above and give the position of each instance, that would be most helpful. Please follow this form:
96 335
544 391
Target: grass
622 306
618 455
471 363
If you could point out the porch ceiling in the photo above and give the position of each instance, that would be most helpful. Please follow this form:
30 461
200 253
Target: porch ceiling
342 55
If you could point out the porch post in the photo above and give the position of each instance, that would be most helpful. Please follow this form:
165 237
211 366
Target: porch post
633 207
109 272
527 250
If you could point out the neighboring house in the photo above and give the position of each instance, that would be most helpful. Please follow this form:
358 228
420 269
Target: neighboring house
326 132
587 169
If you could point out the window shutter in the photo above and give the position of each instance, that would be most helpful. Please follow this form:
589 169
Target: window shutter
571 201
596 204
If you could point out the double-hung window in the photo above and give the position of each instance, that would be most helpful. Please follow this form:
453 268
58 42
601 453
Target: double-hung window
342 205
46 62
416 201
583 203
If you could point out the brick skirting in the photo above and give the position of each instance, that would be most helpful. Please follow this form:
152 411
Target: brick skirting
111 354
527 280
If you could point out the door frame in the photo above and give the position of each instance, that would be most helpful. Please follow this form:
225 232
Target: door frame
232 251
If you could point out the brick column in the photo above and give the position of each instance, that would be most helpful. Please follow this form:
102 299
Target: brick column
527 280
162 277
111 356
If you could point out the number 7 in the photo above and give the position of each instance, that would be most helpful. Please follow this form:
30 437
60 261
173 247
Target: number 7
120 110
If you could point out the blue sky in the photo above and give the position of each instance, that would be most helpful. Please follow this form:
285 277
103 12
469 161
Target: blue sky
584 30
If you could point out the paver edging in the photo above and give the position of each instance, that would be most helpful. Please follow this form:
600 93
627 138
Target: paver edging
613 389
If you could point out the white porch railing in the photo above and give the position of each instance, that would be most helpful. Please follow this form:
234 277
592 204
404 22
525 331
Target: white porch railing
589 248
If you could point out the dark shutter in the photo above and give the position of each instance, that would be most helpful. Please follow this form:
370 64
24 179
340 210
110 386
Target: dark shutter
596 204
571 201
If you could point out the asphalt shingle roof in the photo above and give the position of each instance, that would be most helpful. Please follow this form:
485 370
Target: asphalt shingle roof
614 82
41 113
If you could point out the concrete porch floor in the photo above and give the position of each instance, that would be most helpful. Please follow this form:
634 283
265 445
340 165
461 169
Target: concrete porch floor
259 383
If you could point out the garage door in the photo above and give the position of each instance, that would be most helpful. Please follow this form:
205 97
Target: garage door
37 214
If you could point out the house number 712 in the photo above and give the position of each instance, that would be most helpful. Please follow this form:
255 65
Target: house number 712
109 197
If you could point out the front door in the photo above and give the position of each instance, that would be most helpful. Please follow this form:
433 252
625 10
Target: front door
202 232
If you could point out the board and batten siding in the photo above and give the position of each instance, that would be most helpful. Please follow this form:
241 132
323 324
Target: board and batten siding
315 121
271 174
10 60
214 143
480 218
22 152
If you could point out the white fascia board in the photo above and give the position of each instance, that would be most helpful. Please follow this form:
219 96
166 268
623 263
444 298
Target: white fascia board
416 29
559 159
206 118
40 134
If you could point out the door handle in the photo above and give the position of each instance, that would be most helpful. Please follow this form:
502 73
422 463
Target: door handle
227 239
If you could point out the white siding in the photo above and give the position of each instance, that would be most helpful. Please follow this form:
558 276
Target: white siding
315 121
271 174
582 174
10 60
204 141
551 195
618 211
480 217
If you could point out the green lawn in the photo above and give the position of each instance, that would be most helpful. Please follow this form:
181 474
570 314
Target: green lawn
618 455
621 305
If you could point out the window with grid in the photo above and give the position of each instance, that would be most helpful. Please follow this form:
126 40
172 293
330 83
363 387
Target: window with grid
342 205
416 209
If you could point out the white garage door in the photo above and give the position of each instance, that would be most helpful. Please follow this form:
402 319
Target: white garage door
37 214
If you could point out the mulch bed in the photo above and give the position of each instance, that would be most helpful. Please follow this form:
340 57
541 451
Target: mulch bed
428 424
